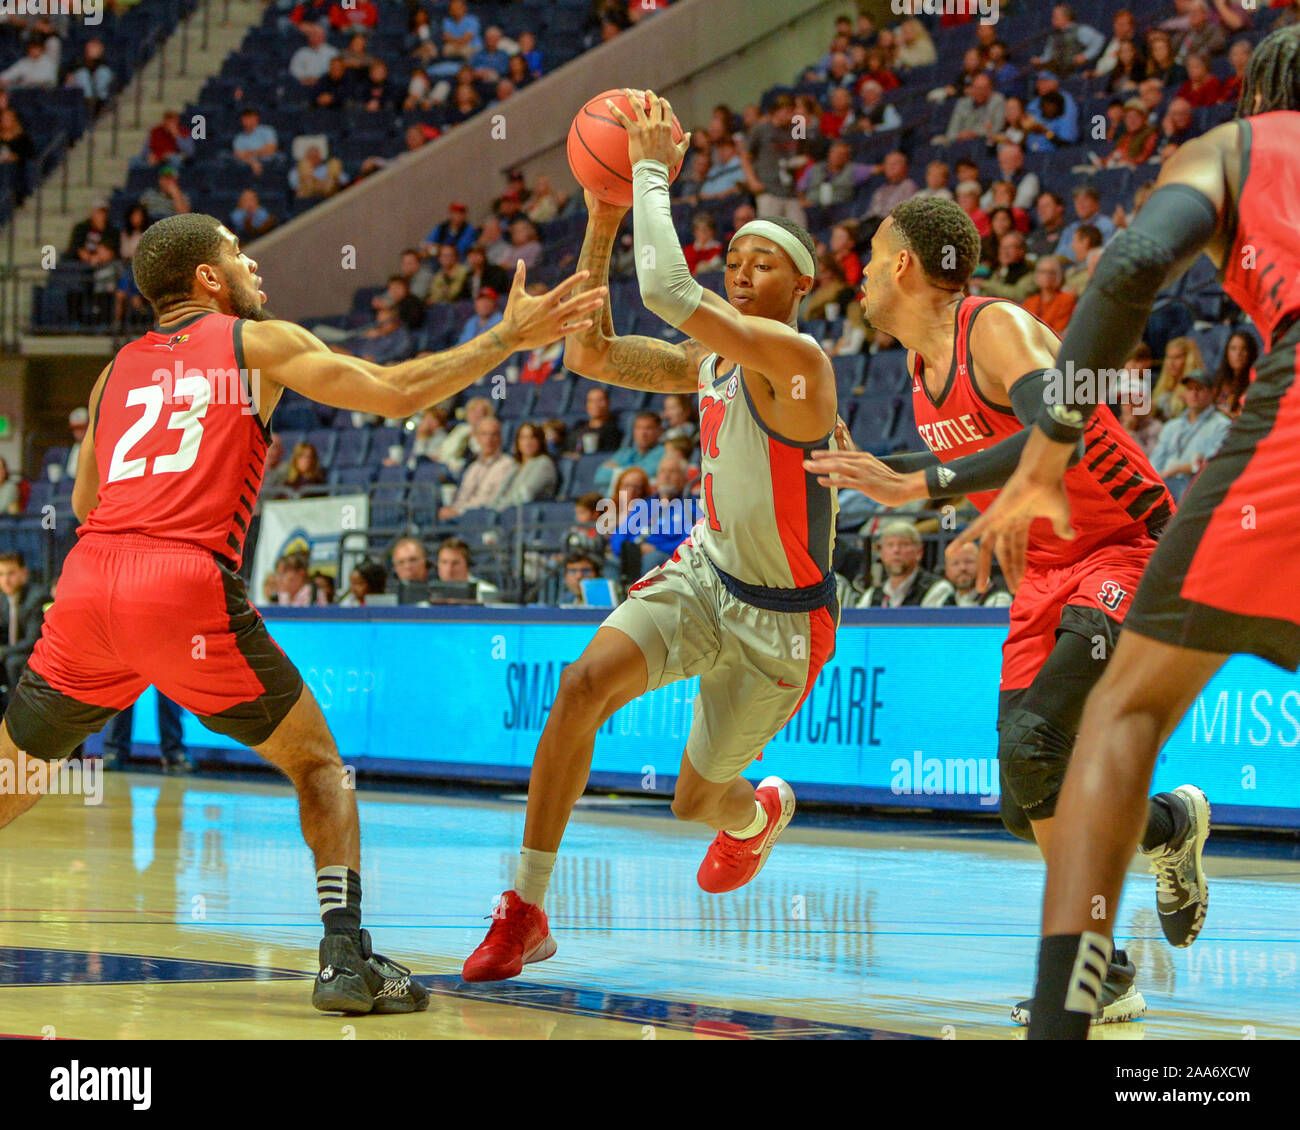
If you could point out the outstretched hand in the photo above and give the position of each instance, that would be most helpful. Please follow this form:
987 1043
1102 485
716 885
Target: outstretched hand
1035 490
650 129
531 321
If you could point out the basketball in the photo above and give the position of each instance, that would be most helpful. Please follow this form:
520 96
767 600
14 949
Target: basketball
597 149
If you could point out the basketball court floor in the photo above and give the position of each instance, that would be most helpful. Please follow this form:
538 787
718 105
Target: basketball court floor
186 909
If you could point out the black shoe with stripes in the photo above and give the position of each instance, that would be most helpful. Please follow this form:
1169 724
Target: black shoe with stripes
356 980
1119 1001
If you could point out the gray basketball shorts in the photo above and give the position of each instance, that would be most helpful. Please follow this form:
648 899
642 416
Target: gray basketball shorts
755 666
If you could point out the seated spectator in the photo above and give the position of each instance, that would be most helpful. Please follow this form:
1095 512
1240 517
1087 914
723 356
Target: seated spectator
1161 63
1013 277
1086 238
690 182
11 501
726 175
599 431
1135 409
524 243
367 579
1124 27
455 229
337 88
1137 143
354 15
835 180
1239 57
557 436
968 199
1013 125
169 141
829 287
292 586
485 479
1202 88
275 473
1087 209
250 219
498 249
972 64
544 202
1046 237
898 186
876 69
305 472
310 62
16 150
845 238
451 280
387 341
1071 46
644 451
877 114
356 56
936 180
1177 128
255 142
92 76
410 561
1051 304
578 567
483 273
977 114
536 478
1001 222
377 93
166 198
1003 195
960 572
461 443
1236 371
837 119
485 316
310 12
517 73
315 178
409 308
22 612
491 62
1182 355
1011 168
1204 36
417 273
704 252
906 584
1053 116
529 53
1188 441
454 565
1129 71
38 68
915 47
465 103
680 417
323 583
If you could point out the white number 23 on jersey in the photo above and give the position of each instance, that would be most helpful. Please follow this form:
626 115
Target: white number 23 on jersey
184 420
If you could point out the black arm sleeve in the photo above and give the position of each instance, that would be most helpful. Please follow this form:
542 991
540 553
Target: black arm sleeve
1172 228
991 468
911 461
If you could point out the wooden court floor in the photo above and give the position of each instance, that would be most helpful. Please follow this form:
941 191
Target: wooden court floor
186 909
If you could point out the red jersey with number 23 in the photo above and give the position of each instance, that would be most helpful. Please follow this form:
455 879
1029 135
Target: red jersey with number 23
178 443
1115 494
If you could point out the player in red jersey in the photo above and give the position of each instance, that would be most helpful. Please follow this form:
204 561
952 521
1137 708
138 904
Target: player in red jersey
168 475
979 366
1222 580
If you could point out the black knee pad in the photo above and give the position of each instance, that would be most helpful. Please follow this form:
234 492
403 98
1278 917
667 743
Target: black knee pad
47 724
1033 755
1013 816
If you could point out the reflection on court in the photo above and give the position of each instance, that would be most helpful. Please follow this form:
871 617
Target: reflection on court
187 909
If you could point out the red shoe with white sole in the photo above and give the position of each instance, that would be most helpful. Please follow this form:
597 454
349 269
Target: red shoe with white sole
731 863
518 935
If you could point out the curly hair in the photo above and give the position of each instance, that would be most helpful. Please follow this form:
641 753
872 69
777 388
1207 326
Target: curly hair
941 236
168 254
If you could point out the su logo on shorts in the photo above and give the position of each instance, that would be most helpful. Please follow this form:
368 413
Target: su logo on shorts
1111 595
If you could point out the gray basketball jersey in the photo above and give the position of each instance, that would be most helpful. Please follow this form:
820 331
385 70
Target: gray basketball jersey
766 520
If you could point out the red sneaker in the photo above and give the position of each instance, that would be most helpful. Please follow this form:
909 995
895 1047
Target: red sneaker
731 863
518 935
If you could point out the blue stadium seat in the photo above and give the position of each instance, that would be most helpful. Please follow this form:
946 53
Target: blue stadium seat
552 398
873 422
352 448
887 374
583 476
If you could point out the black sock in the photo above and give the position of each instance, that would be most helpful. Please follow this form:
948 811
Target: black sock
1071 969
339 891
1162 824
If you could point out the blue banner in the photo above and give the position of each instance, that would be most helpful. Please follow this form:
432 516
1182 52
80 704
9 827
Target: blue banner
903 714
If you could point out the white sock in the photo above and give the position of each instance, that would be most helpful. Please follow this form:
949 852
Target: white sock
533 874
754 826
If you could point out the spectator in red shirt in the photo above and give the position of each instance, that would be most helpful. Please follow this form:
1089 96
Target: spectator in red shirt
1202 88
968 197
840 115
353 16
1051 304
169 139
844 249
875 71
311 11
1238 56
705 253
1137 142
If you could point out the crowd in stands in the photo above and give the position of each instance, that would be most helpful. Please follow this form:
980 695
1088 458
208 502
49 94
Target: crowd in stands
1047 130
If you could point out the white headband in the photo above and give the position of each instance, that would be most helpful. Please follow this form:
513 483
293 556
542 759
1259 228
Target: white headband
786 240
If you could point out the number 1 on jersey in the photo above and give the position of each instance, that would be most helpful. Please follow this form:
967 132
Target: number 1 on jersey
714 524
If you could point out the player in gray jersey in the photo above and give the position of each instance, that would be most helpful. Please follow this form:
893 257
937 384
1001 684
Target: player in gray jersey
747 602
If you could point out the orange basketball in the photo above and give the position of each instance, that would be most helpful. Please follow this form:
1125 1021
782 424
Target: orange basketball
597 149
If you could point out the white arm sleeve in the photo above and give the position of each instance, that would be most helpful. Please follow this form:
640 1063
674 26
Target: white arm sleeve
667 287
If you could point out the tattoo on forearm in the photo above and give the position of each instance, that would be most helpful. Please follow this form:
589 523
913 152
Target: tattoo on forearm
594 257
641 362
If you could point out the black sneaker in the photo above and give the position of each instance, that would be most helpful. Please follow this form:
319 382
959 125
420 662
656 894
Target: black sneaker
355 979
1182 896
177 766
1120 999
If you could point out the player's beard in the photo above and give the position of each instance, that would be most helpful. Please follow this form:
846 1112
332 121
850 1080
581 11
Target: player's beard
245 303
